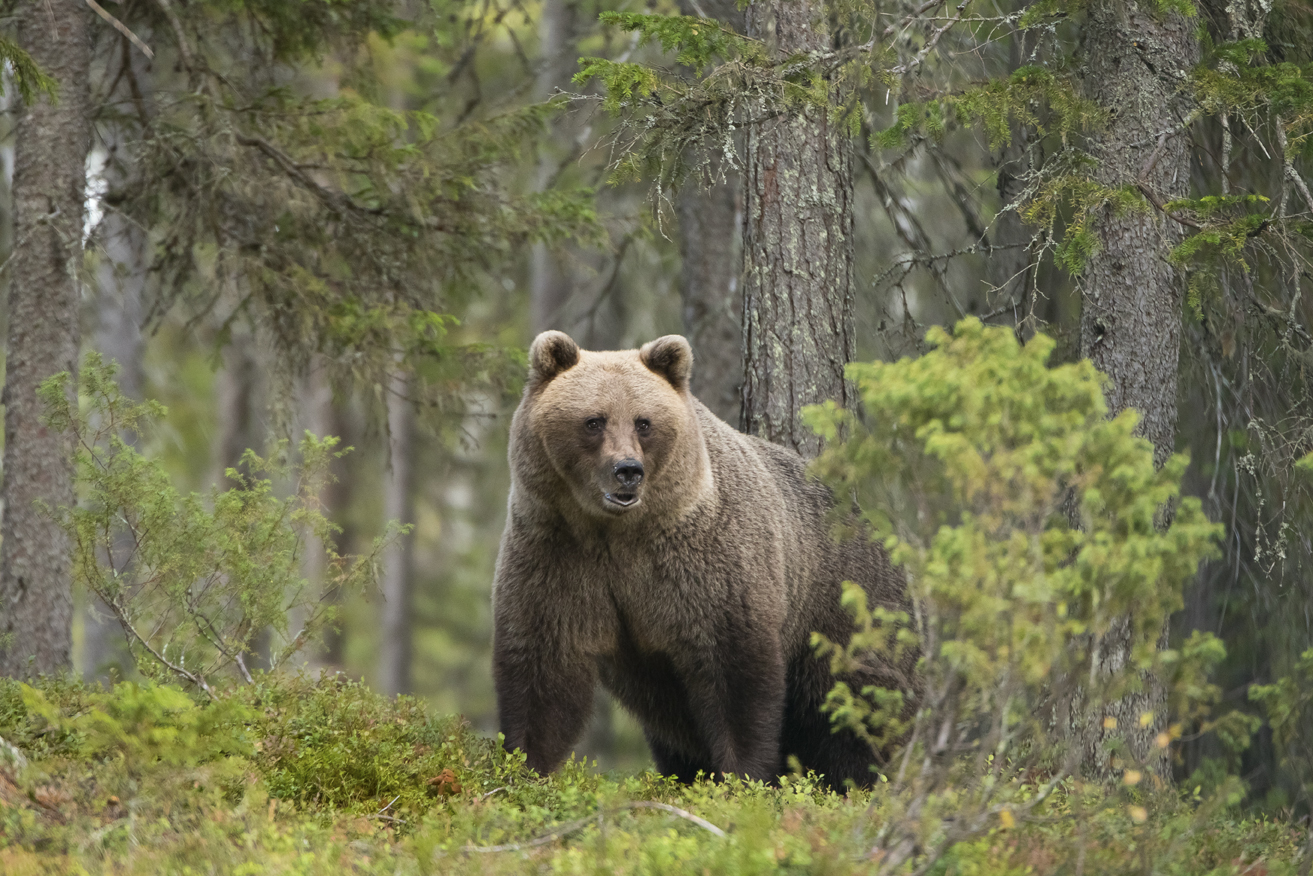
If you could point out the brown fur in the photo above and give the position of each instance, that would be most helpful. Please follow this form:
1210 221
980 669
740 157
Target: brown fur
694 603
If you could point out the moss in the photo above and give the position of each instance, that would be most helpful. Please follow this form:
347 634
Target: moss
335 778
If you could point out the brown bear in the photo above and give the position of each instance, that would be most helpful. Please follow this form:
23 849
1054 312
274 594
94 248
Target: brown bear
683 564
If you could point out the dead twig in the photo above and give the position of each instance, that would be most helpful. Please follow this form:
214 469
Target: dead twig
675 810
1162 208
572 826
121 28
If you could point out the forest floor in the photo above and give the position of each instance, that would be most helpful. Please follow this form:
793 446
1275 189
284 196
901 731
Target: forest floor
309 777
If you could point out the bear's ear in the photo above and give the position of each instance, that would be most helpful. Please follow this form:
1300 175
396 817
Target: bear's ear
671 357
551 353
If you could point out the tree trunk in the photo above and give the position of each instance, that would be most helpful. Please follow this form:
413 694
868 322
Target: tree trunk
797 247
1131 297
395 632
710 244
36 601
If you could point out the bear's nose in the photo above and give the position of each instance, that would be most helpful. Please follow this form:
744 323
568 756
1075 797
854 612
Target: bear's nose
629 472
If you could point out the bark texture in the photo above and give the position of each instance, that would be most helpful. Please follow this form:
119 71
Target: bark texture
395 628
798 329
1135 66
51 143
710 244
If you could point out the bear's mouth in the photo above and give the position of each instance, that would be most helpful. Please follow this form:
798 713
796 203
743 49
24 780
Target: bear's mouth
622 500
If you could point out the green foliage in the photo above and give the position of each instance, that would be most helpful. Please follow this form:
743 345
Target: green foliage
1030 527
696 42
1045 11
193 580
303 30
295 776
1288 704
402 214
1235 80
669 117
1225 228
624 82
346 230
29 78
1067 202
146 724
1032 97
334 745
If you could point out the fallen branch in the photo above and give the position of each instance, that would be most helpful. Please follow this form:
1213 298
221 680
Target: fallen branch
572 826
682 813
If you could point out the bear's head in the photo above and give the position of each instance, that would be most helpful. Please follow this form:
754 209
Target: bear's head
618 428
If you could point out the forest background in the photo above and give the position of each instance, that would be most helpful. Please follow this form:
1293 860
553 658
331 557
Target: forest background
352 218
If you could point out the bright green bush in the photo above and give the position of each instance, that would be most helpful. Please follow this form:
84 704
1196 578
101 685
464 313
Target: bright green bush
191 579
1043 552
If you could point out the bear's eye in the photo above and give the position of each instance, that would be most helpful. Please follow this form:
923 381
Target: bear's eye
643 425
595 424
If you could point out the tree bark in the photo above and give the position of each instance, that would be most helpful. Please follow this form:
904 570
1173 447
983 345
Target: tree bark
1130 329
395 629
36 601
798 329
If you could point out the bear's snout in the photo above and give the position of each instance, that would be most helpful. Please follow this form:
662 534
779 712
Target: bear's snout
629 472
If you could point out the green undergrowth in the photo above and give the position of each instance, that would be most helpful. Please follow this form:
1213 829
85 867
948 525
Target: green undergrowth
293 775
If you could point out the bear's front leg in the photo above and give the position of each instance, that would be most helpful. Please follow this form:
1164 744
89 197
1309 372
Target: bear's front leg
544 701
737 697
